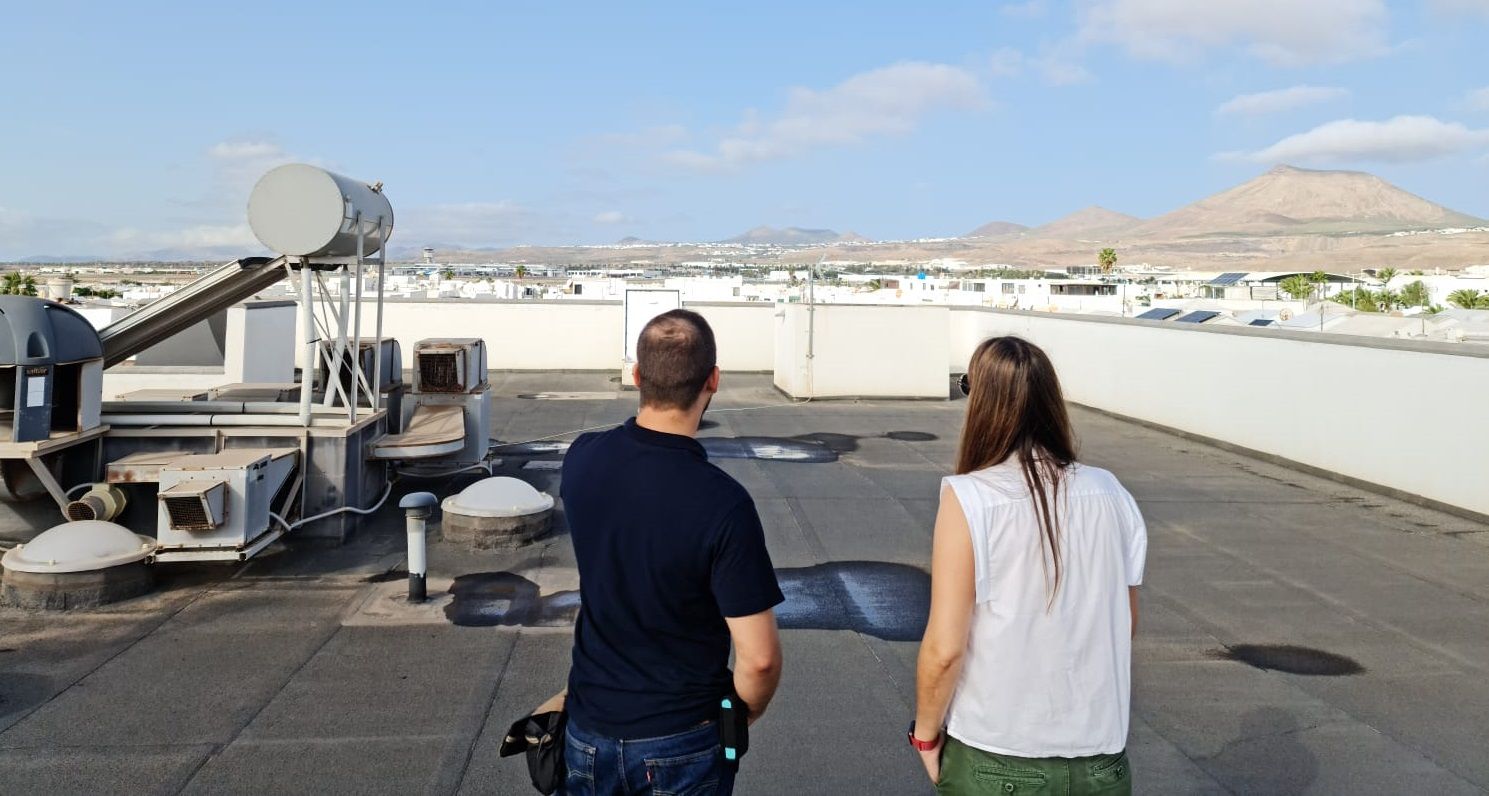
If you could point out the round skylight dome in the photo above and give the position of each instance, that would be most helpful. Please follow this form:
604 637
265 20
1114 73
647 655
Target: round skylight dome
82 546
498 497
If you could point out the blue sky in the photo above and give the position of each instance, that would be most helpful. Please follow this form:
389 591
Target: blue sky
127 129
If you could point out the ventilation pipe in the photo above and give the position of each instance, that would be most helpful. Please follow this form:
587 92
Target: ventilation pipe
101 502
417 506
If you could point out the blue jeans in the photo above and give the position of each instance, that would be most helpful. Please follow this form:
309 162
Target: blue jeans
689 763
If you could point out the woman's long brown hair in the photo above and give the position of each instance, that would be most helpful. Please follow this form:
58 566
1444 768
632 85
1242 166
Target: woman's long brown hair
1015 409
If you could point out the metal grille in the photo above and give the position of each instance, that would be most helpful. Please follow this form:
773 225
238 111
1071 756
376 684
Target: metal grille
84 509
187 513
439 373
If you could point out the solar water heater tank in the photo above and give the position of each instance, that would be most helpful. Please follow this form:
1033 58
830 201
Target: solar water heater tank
304 211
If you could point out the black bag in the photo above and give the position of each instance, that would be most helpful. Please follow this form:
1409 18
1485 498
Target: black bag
541 736
734 729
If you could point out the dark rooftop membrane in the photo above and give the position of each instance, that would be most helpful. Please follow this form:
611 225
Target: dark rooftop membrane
1296 634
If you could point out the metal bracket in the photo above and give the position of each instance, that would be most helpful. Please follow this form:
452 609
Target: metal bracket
47 480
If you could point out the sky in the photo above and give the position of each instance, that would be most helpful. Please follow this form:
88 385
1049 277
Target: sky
138 129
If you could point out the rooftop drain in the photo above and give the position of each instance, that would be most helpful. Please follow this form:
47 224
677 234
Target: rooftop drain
497 512
77 565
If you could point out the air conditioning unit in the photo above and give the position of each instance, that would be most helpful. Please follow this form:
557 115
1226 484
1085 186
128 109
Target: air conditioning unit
194 505
215 507
449 365
452 372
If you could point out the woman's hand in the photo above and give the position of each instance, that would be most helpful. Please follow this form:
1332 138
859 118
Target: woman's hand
931 759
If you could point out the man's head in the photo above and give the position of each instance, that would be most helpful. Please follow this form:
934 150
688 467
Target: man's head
676 361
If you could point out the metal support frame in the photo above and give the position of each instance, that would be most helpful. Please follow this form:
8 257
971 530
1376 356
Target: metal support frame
377 350
345 315
44 475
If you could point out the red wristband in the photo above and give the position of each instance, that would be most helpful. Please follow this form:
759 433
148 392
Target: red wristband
923 746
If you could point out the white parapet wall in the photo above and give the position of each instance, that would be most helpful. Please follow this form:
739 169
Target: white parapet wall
569 335
1404 415
862 351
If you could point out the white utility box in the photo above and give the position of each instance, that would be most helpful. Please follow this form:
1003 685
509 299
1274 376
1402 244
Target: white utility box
215 507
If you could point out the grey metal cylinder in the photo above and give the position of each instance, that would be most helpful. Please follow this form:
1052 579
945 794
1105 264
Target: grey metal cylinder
303 211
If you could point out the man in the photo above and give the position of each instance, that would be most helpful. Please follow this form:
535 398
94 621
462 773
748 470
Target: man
672 567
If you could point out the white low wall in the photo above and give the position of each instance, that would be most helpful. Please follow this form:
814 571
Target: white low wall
567 335
862 351
1319 400
744 332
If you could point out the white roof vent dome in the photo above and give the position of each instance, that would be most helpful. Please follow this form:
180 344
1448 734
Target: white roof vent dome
82 546
498 497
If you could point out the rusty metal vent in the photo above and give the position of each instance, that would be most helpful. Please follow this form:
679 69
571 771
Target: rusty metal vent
439 373
187 513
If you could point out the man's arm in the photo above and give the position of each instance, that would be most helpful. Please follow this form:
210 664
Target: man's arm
757 659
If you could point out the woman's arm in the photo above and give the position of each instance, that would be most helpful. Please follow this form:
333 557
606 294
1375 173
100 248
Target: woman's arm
953 595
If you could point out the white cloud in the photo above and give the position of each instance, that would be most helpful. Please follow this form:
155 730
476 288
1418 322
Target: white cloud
1006 62
658 135
610 217
1282 99
210 225
24 235
1477 100
467 224
890 100
202 238
245 150
1460 6
1058 65
1279 32
1403 139
1029 9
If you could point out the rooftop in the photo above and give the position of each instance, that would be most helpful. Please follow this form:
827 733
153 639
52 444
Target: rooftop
302 668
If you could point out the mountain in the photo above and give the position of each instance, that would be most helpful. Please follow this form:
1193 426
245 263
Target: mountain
1089 222
794 236
993 229
1291 201
47 259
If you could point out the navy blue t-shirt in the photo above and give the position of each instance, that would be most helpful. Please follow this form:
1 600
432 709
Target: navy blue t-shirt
667 545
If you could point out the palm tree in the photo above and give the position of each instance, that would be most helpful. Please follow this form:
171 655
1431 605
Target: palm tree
875 284
1385 275
1319 279
1464 298
18 284
521 271
1298 286
1415 294
1388 300
1357 298
1108 260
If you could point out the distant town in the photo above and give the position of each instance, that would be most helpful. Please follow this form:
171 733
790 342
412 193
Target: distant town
1331 251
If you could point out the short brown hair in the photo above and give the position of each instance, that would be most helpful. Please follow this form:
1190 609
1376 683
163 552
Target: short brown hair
674 358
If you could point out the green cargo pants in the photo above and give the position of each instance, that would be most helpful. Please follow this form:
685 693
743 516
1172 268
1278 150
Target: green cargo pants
965 770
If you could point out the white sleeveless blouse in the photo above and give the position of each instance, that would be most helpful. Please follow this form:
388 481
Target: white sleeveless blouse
1043 680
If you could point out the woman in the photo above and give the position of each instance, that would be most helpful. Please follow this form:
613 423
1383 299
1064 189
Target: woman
1034 569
